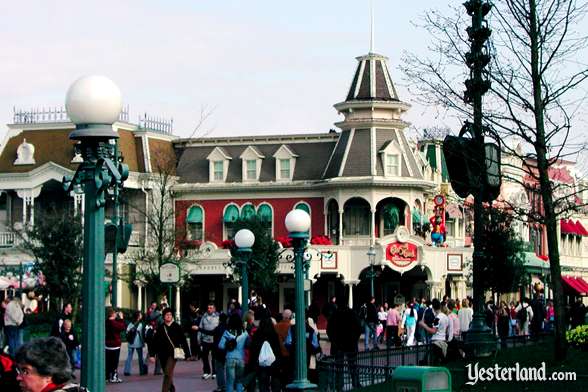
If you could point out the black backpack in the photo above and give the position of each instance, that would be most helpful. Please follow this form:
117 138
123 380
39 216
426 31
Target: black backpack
522 314
230 344
132 334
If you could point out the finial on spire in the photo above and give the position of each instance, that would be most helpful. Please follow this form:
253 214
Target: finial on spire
372 26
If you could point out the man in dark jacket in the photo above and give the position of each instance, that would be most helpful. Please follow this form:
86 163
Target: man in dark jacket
58 323
371 321
344 330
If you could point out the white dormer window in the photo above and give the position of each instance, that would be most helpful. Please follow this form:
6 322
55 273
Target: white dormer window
219 170
251 160
285 163
284 169
391 158
392 165
218 165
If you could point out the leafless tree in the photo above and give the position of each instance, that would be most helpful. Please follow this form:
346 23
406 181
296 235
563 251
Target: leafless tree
537 76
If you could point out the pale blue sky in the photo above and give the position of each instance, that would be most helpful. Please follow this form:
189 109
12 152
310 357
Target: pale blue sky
266 66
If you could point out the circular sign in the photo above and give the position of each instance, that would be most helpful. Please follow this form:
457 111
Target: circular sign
169 273
402 234
439 200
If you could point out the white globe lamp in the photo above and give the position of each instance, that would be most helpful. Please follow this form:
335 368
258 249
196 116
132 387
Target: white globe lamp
297 221
244 238
93 103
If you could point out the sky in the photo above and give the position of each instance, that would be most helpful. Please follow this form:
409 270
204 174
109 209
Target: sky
257 66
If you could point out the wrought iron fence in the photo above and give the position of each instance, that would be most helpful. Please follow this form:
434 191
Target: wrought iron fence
344 372
51 115
156 124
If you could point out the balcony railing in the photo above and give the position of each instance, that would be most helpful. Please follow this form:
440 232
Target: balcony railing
156 124
7 239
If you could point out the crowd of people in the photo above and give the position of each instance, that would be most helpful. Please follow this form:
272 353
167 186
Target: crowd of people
254 349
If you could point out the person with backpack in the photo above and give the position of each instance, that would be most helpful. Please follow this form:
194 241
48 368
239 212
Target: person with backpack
219 356
135 340
524 316
233 342
265 343
428 320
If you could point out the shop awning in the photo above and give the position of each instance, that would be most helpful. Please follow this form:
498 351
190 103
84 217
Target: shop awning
576 284
580 229
573 228
535 264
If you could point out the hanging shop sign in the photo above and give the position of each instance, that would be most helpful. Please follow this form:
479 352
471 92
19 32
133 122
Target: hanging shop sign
401 254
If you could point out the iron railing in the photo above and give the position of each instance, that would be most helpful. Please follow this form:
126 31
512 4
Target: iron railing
344 372
52 115
156 124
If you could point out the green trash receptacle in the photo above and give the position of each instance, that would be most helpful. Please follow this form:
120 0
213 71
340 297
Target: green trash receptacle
420 379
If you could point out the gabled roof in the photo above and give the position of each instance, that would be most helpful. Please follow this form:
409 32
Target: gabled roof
219 151
251 150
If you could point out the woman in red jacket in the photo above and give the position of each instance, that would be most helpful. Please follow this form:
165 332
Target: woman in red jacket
114 326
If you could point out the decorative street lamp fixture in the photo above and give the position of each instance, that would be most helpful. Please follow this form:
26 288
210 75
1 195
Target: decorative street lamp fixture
93 104
298 224
244 240
371 253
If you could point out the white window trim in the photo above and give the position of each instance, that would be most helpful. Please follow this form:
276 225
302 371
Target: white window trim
273 215
391 149
250 154
188 237
225 237
218 155
285 153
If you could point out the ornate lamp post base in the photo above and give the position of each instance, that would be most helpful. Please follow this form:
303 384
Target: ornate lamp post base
301 384
480 342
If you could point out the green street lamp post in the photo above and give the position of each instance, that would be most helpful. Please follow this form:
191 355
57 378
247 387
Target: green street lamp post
480 340
244 240
93 104
298 224
372 258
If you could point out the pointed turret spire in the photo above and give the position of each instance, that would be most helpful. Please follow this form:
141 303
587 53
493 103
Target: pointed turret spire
372 43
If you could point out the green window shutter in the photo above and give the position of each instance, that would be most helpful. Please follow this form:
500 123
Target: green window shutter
416 216
432 156
247 212
264 212
194 215
231 214
303 207
444 172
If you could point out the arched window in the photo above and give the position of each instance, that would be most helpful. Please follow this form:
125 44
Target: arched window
195 223
356 217
247 211
265 215
304 207
229 219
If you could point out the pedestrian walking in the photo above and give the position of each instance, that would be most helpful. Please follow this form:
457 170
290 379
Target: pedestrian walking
168 338
233 342
70 340
344 331
267 371
13 319
465 316
114 326
207 328
524 316
195 317
153 319
136 341
219 356
66 313
409 320
371 319
392 322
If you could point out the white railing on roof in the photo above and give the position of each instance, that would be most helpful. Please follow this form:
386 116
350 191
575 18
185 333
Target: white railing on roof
51 115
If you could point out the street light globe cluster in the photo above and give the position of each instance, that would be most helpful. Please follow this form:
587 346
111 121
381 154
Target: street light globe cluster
297 221
93 99
244 238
